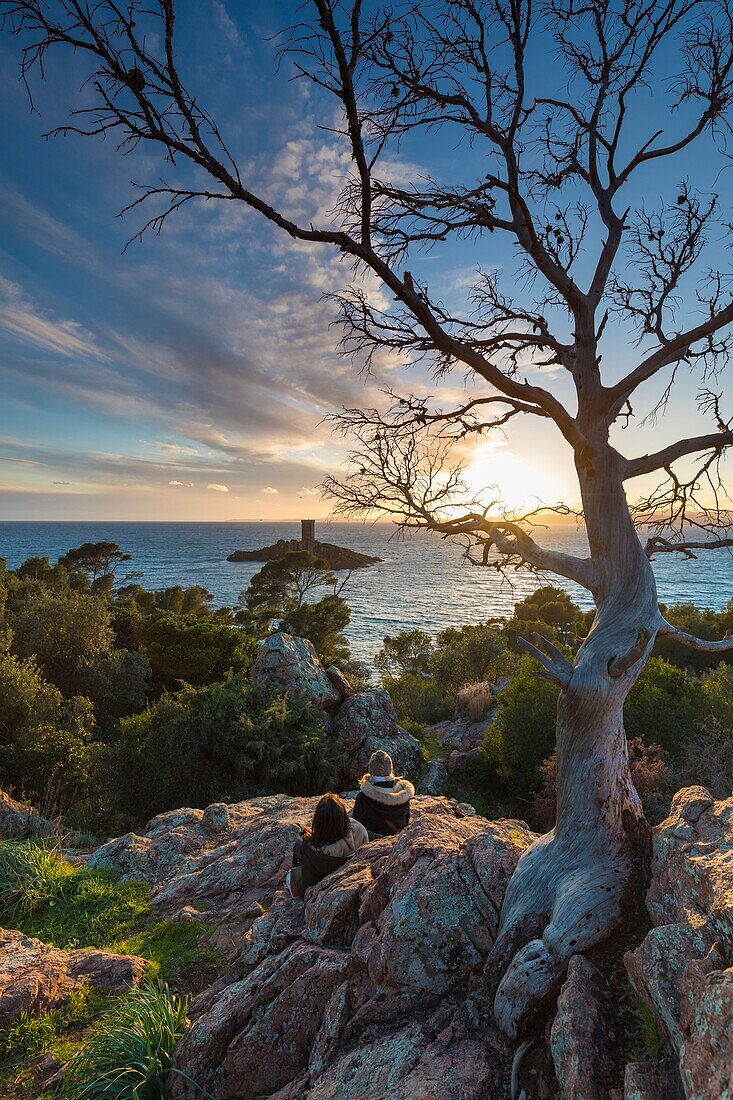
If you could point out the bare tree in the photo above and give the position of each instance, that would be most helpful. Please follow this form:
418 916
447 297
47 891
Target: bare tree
559 165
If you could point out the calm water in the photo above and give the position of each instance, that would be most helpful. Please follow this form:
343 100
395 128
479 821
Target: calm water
421 582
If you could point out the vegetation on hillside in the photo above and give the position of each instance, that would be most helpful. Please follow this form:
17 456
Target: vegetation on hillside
113 1042
117 702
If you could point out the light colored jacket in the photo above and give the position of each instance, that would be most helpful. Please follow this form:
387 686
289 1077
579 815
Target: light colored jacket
349 844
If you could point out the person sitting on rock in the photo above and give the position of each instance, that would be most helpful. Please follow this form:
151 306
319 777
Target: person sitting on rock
332 839
383 802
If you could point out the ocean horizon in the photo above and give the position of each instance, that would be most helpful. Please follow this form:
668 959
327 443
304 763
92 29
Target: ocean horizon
422 581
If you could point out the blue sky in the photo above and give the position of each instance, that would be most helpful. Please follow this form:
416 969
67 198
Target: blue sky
188 378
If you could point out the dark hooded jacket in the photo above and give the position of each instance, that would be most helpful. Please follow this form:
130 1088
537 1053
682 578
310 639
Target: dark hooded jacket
383 808
316 863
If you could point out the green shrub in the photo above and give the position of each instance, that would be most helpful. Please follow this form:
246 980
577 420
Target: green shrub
467 655
417 699
408 651
127 1056
523 733
62 629
219 743
195 648
664 706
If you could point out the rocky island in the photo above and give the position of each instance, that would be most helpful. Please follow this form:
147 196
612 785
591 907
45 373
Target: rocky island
338 557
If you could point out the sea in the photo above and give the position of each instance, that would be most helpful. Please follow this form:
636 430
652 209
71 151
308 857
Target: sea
422 580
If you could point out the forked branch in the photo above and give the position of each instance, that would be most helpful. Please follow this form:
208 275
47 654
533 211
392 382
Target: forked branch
555 666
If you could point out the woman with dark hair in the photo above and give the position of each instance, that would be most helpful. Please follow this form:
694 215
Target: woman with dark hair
331 840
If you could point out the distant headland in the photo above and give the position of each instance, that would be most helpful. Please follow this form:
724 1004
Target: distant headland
338 557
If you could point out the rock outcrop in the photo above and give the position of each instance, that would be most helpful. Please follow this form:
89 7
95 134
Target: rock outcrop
362 722
290 665
361 991
373 986
579 1042
18 821
367 722
434 780
35 977
683 970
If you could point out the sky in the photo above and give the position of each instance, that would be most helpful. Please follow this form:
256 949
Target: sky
188 377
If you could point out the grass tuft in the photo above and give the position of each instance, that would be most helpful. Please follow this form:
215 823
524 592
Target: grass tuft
648 1042
30 876
127 1056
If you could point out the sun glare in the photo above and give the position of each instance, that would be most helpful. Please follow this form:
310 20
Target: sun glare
493 473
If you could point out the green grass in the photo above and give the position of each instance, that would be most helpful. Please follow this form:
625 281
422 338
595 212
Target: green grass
176 953
648 1043
44 896
126 1056
30 1036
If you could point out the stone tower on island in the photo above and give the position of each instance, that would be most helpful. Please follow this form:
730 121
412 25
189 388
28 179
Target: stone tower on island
308 534
337 557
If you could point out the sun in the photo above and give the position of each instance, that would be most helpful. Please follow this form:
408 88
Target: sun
494 473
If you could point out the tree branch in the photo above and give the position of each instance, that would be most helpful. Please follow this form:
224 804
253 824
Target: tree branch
691 641
658 460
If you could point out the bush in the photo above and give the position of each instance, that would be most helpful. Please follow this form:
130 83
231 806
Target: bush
221 742
523 733
128 1054
45 741
408 651
196 649
664 706
62 629
707 758
417 699
468 655
322 623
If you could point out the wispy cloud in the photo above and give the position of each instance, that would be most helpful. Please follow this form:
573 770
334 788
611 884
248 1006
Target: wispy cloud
24 320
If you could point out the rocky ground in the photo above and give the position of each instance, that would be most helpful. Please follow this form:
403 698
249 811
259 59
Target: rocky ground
374 987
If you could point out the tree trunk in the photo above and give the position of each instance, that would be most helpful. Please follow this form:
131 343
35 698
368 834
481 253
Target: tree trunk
572 887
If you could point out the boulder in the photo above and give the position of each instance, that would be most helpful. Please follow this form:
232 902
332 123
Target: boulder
360 993
18 821
653 1081
224 861
35 977
290 664
706 1062
340 682
460 733
682 970
434 779
579 1039
367 722
692 867
462 763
